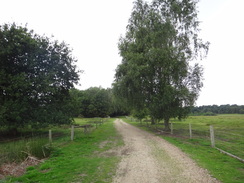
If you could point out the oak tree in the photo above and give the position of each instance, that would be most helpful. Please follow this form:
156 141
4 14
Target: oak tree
36 73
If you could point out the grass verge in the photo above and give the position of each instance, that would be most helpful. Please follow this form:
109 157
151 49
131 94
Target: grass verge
220 166
78 161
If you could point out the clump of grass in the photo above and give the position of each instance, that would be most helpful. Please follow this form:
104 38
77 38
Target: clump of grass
18 151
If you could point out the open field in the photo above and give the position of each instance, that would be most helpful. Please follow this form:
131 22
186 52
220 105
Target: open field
229 132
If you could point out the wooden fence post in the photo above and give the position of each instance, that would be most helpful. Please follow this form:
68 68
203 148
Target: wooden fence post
190 130
212 136
171 127
72 132
50 136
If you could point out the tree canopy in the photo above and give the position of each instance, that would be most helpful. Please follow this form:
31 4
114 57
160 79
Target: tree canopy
36 74
95 102
157 72
215 109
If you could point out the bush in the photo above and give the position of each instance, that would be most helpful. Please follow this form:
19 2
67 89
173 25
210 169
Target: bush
209 114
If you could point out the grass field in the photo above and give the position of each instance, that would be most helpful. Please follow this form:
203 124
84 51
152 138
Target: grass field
79 160
229 131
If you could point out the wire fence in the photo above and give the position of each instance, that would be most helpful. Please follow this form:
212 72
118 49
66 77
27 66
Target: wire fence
41 144
228 141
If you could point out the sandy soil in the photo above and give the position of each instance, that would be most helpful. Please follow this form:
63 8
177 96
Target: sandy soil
150 159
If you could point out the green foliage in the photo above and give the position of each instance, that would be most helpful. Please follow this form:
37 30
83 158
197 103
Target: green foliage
119 107
95 102
222 109
209 114
141 114
156 72
77 96
35 76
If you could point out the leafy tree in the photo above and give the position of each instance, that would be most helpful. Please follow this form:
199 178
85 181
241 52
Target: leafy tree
77 96
157 70
96 102
215 109
118 106
36 74
140 114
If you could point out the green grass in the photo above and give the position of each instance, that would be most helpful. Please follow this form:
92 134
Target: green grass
224 168
18 151
229 131
82 121
230 122
36 143
80 160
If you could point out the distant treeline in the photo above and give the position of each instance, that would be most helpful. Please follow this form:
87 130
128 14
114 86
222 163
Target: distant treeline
215 109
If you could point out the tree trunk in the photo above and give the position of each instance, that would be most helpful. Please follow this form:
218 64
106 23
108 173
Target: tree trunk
166 125
153 121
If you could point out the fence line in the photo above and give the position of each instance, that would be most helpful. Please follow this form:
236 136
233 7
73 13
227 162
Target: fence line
213 143
227 143
8 148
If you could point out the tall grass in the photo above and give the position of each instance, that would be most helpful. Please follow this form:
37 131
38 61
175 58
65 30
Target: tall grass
17 151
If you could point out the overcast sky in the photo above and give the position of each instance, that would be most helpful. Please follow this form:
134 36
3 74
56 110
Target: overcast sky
92 29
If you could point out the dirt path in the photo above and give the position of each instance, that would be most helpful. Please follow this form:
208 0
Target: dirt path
150 159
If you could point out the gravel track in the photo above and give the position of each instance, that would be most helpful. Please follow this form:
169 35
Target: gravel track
150 159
